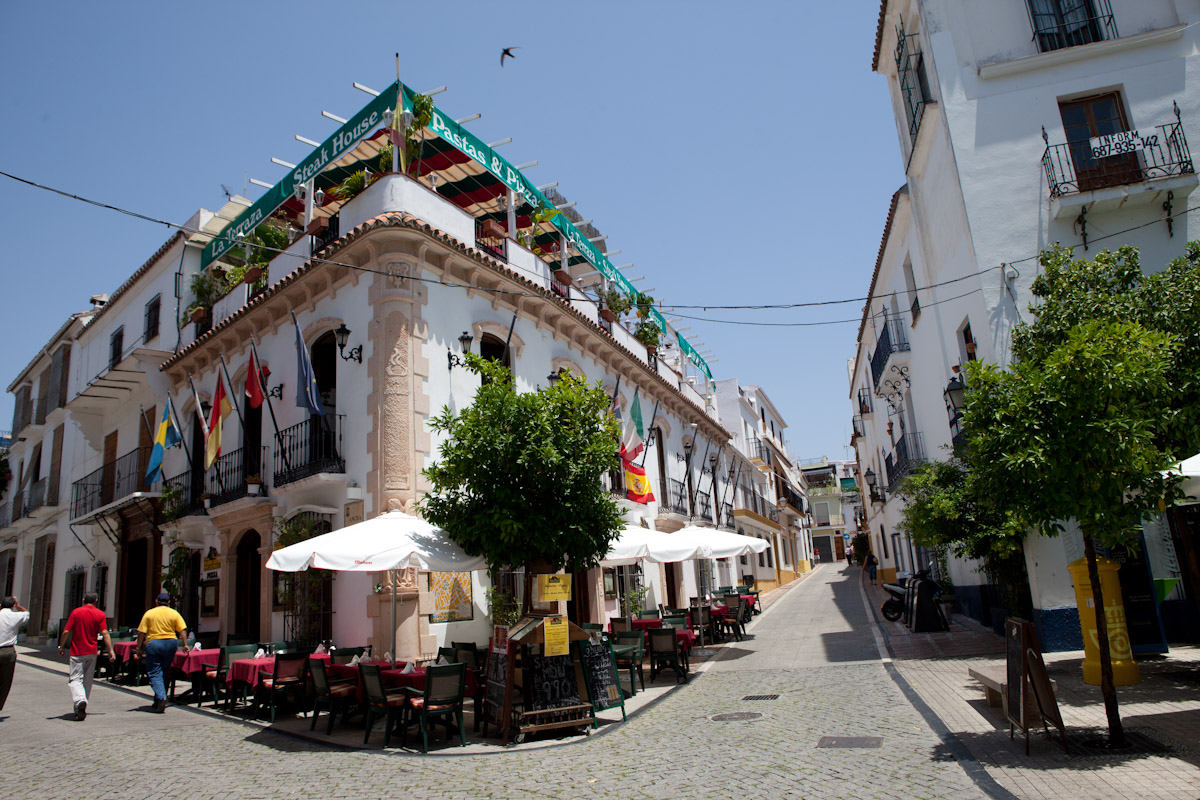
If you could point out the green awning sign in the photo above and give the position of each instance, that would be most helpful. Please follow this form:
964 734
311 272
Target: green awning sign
346 137
692 355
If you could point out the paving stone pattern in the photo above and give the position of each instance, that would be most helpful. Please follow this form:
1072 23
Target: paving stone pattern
812 646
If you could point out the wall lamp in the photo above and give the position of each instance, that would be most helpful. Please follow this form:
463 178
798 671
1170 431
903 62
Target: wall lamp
452 360
554 377
343 334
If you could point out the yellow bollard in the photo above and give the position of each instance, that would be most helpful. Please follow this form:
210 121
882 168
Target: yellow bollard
1125 669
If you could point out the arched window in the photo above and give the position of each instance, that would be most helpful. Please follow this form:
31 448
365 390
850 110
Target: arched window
492 348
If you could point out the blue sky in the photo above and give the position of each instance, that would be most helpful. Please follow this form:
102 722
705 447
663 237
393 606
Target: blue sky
736 153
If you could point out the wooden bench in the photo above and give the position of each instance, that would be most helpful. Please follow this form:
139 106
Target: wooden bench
995 691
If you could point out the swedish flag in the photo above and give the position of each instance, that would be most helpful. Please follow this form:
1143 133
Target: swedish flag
166 436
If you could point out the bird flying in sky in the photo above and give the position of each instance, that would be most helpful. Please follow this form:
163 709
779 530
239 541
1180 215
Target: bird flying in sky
508 53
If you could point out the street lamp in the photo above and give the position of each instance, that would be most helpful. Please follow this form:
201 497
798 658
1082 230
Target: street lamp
459 361
869 477
954 394
343 335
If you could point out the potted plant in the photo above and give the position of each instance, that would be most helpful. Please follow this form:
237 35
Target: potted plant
606 313
253 273
648 333
253 484
171 503
562 276
492 229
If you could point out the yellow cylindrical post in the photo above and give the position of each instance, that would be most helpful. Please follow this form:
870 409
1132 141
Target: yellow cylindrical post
1125 669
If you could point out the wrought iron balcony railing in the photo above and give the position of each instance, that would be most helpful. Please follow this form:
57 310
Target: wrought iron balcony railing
616 483
864 401
1118 159
891 340
907 455
678 499
187 491
311 447
704 506
759 450
225 480
1057 24
829 520
114 481
727 520
857 424
914 84
328 234
36 497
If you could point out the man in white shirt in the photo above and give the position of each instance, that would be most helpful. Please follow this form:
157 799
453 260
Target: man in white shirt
12 616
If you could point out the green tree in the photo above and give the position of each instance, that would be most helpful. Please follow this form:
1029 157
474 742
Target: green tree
1074 431
519 477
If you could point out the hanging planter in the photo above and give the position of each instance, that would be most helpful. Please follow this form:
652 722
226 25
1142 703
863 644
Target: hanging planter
970 346
607 315
562 276
252 275
493 229
199 314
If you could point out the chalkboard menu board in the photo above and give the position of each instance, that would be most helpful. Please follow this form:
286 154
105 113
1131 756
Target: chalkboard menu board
1015 645
553 679
496 691
600 674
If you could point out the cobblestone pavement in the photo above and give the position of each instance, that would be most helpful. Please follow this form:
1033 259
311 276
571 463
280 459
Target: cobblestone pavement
813 647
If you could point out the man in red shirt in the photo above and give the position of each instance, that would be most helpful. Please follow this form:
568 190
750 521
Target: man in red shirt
83 626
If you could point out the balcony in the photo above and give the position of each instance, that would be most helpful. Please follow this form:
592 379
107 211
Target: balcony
704 506
864 401
36 498
616 484
824 489
327 231
309 448
114 482
39 411
1055 28
858 425
726 520
491 238
829 520
891 340
1118 159
759 452
225 480
907 456
188 491
677 499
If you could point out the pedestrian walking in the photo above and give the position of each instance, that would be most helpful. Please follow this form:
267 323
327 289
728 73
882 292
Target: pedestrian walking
871 566
850 556
12 616
85 624
160 633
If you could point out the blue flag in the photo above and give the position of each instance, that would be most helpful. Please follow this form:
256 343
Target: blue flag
307 394
166 436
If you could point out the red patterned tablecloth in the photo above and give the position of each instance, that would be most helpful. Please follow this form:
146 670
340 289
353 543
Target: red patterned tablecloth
247 670
190 662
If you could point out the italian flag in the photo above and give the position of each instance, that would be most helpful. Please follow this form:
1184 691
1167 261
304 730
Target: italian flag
633 435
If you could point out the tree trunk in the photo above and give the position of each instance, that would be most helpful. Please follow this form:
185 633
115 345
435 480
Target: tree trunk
1116 731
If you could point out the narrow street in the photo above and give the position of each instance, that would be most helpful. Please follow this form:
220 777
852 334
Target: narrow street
812 647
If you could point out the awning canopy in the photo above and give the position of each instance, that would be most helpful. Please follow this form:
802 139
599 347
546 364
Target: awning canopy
637 544
1190 486
722 544
393 540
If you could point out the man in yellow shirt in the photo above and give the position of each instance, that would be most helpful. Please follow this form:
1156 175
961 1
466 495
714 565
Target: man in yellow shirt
160 633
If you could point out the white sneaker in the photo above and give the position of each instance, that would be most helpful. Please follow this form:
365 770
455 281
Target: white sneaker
81 710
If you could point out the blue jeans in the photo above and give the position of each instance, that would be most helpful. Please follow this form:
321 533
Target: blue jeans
159 653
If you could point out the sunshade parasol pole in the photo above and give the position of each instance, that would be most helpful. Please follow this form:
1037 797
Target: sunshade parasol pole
393 577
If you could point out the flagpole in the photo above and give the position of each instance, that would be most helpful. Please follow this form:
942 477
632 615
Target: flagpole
256 365
182 439
511 325
146 425
703 459
233 398
204 424
649 433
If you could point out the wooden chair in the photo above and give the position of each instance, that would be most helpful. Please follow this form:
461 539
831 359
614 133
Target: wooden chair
238 638
344 655
286 676
388 703
702 624
633 659
664 654
329 693
441 698
734 621
649 614
621 624
474 662
675 622
214 675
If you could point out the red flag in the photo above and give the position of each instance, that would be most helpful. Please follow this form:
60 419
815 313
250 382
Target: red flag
254 383
637 485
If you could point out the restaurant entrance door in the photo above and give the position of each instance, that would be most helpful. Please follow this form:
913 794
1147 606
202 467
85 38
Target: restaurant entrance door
248 590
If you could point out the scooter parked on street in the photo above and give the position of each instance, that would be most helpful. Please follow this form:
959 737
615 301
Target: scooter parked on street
893 607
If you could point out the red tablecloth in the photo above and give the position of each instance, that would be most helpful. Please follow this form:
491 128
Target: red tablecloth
124 649
190 662
247 669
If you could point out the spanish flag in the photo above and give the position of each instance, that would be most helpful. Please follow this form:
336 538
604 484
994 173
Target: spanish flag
637 485
220 410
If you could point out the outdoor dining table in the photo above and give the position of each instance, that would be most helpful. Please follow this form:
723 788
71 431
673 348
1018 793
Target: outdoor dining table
124 650
189 662
394 677
249 670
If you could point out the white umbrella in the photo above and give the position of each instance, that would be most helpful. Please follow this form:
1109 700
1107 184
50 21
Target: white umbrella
637 543
1190 470
722 544
393 540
